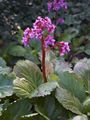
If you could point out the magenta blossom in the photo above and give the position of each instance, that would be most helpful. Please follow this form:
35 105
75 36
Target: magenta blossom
64 48
60 21
44 24
49 40
57 5
26 37
42 30
49 4
40 27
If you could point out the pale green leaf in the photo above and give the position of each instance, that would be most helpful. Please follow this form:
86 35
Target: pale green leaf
3 68
45 89
62 66
73 83
6 85
86 78
86 105
68 101
82 66
80 117
29 78
2 62
30 71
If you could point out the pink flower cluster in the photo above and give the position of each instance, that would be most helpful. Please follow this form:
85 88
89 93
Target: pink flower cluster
64 48
39 30
43 29
56 5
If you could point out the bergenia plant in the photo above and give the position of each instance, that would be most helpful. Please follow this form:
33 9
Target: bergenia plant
57 5
43 30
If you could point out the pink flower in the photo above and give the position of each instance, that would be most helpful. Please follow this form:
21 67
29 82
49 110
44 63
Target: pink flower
25 41
64 48
60 21
40 26
27 31
49 40
57 5
37 33
49 4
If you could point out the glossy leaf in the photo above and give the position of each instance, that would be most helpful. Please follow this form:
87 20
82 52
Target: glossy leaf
17 109
51 109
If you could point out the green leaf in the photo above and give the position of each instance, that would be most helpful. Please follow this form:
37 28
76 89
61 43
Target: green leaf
17 50
28 70
62 66
51 109
1 108
71 33
20 35
86 105
16 109
87 49
33 116
80 117
29 78
5 70
73 83
2 62
45 89
86 78
68 101
36 44
82 66
6 88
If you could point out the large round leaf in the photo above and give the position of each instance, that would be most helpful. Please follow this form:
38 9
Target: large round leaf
51 109
86 105
17 109
2 62
86 78
29 78
82 66
68 101
17 50
6 85
73 83
45 89
28 70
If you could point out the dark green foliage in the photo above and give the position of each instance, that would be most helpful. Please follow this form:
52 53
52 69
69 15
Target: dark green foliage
23 94
15 110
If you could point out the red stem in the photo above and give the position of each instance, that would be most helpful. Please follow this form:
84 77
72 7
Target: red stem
43 60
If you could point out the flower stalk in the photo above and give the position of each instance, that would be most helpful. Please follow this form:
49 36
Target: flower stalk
43 60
